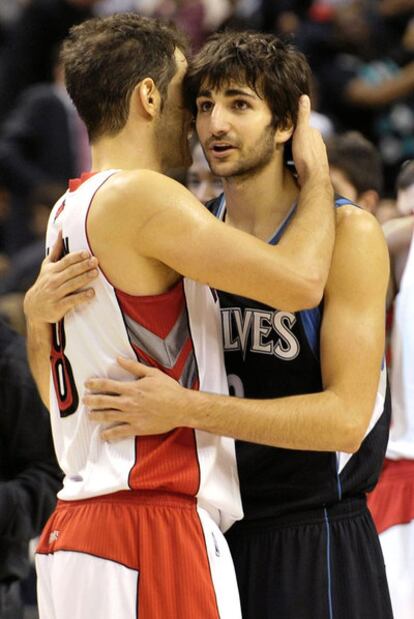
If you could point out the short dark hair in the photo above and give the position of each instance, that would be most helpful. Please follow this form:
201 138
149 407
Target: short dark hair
358 159
405 176
275 70
105 58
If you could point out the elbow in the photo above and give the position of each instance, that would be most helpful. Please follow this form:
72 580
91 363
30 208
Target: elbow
352 435
311 291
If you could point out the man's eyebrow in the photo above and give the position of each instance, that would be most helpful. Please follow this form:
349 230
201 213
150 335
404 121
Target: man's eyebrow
230 92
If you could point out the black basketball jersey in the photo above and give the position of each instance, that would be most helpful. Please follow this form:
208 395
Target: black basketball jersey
269 354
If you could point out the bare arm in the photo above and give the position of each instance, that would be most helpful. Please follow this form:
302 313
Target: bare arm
335 419
173 228
176 230
364 94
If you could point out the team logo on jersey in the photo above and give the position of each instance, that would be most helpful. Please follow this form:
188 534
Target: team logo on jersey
259 331
60 209
53 537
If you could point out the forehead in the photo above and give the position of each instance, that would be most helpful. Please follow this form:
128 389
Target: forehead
227 88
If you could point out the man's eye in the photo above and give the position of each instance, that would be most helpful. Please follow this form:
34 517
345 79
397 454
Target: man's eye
240 104
204 106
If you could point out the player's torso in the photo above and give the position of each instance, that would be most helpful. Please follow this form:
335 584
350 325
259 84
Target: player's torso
177 331
269 354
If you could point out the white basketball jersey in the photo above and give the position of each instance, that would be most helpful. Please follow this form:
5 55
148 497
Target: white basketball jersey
178 332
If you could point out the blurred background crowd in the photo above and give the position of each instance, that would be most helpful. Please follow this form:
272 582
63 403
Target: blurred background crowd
362 56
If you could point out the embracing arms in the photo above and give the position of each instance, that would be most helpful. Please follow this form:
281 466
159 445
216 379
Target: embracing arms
352 346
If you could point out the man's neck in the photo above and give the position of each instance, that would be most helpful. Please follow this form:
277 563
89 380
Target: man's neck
259 203
125 151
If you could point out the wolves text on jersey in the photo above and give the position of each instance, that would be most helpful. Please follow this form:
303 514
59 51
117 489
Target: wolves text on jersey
260 331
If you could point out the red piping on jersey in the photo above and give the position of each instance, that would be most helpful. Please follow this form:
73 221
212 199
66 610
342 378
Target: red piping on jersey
75 183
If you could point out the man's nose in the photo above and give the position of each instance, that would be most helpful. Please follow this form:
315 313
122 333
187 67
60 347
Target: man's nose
219 121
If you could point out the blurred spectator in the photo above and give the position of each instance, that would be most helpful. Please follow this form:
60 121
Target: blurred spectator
27 55
200 180
43 141
318 120
4 215
356 169
197 18
370 90
29 475
399 231
9 11
284 17
25 264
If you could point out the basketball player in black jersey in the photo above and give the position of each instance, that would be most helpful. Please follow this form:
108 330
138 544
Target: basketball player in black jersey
312 410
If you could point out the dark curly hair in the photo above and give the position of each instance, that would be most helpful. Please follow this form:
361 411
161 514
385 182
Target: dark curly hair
275 70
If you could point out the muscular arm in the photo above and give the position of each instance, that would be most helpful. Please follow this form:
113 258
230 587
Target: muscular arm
352 345
179 232
171 227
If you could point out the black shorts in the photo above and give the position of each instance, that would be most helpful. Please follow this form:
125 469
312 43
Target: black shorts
320 564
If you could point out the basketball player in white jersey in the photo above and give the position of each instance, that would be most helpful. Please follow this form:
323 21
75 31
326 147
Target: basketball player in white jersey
307 546
136 531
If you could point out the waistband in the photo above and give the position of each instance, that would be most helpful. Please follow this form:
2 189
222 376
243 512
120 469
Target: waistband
347 508
137 497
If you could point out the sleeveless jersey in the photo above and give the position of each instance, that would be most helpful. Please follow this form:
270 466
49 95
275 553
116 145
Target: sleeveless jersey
178 332
270 354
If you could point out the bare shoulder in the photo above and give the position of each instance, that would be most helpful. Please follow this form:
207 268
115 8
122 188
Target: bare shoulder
130 198
360 253
362 226
133 185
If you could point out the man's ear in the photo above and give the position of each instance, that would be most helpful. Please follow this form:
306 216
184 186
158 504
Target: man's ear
284 132
147 97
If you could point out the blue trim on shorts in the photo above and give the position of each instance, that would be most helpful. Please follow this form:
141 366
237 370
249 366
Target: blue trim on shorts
338 479
328 561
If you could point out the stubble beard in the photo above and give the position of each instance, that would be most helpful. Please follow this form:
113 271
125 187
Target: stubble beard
259 156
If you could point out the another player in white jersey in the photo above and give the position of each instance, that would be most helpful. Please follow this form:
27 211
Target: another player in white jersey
137 527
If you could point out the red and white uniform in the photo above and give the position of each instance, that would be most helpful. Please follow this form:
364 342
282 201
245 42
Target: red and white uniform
392 501
185 472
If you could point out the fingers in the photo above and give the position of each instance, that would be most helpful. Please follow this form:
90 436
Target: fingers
118 433
77 283
100 403
135 367
105 386
109 415
304 110
57 249
75 300
75 263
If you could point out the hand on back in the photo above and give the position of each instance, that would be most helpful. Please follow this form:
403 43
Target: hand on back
62 284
